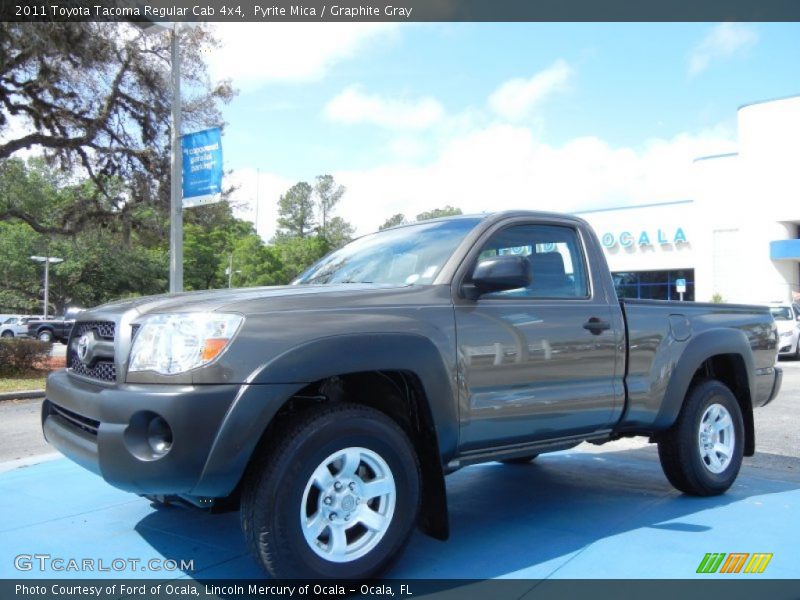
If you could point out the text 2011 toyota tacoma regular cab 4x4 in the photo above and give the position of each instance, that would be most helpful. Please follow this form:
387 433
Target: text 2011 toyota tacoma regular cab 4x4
331 409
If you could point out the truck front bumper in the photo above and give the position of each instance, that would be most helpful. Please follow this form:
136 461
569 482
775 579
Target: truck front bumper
190 440
776 385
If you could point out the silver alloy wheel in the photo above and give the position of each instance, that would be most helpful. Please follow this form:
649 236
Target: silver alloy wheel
348 504
716 438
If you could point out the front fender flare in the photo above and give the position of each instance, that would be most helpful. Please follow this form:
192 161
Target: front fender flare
341 354
273 384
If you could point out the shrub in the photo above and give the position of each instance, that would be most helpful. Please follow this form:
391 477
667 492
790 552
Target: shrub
20 355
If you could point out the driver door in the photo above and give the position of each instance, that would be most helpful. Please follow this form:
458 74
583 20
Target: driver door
530 368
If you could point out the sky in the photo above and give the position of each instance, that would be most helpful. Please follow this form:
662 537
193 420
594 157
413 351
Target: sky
488 116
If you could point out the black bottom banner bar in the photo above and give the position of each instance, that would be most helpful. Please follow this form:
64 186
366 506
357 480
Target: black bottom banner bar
448 589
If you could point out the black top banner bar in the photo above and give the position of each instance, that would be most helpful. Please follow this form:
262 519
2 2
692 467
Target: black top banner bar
399 10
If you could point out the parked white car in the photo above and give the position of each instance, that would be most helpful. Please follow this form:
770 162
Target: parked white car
15 326
787 317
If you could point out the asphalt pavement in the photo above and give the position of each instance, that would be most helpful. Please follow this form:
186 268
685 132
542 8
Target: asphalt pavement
591 512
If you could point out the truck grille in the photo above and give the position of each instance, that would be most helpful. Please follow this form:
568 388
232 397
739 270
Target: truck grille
86 424
104 370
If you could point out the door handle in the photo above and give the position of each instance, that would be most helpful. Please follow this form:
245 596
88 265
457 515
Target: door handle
596 326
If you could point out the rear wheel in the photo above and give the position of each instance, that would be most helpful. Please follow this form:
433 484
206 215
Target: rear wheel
522 460
702 453
336 495
45 336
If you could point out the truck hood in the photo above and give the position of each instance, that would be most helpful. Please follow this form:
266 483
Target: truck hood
252 300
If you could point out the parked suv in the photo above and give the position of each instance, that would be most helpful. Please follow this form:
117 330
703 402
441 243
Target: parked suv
15 327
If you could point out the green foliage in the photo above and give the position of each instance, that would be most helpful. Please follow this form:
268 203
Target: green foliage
297 254
328 196
296 212
21 355
19 275
393 221
97 268
304 211
256 264
400 218
447 211
95 100
717 299
337 233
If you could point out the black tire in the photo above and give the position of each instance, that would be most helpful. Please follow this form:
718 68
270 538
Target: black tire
679 448
45 336
8 334
274 487
521 460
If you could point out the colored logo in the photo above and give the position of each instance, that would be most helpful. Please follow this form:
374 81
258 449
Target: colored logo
735 562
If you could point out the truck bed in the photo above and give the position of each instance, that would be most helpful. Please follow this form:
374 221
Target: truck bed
662 335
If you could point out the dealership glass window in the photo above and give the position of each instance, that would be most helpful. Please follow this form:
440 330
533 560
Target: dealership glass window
653 285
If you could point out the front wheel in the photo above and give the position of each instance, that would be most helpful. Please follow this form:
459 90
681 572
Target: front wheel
335 495
45 336
8 334
702 453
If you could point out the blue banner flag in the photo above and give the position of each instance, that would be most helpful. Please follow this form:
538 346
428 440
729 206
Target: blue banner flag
202 167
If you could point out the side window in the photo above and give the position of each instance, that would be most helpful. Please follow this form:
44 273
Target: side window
555 257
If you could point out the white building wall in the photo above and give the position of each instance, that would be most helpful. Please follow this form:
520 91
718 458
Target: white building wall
741 202
660 223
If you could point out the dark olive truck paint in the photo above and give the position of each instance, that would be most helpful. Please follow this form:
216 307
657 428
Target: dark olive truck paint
610 369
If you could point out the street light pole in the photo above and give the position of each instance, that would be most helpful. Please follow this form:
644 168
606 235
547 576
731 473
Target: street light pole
46 286
176 163
46 260
176 172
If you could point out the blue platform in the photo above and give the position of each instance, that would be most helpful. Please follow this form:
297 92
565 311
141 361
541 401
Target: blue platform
568 515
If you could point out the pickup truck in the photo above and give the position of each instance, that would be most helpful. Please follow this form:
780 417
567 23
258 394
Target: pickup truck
329 411
50 330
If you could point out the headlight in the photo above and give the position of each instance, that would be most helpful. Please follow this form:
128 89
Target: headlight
786 334
176 343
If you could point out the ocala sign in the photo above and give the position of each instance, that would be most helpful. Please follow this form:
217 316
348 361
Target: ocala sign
626 239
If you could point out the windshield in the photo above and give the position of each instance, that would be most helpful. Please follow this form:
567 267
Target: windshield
406 255
781 313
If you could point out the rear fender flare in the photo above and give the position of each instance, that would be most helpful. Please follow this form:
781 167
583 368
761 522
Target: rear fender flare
699 349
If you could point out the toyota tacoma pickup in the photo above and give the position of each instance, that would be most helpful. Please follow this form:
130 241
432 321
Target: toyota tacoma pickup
329 411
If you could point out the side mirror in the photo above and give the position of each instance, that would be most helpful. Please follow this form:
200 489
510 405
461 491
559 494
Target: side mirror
501 273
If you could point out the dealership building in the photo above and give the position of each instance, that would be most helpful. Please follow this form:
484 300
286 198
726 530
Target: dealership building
737 239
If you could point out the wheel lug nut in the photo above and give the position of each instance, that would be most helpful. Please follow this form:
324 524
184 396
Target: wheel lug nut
352 486
333 516
338 486
328 500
